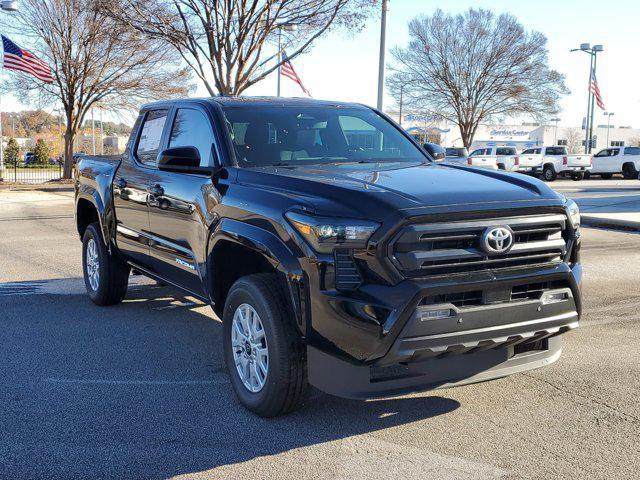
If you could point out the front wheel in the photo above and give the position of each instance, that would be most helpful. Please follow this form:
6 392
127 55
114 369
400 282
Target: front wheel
106 276
549 173
264 356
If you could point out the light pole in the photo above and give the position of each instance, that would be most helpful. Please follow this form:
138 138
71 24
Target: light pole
401 95
555 136
383 39
289 28
608 114
593 53
7 6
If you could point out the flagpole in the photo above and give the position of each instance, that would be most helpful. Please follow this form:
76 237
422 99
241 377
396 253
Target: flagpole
593 99
1 134
279 57
587 139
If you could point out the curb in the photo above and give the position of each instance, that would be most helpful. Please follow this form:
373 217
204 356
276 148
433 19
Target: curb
613 223
36 187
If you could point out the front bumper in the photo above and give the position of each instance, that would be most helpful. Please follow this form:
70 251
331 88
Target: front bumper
472 344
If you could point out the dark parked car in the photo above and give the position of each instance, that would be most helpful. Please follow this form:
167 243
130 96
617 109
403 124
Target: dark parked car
335 251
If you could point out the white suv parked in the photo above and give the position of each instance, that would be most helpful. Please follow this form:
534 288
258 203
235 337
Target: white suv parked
496 158
625 160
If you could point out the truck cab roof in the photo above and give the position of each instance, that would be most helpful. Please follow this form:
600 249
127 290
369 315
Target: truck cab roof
233 101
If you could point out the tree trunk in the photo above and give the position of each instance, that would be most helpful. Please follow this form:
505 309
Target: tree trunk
68 154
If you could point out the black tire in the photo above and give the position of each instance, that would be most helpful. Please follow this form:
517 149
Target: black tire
501 166
606 176
113 277
629 171
587 175
576 177
285 386
549 173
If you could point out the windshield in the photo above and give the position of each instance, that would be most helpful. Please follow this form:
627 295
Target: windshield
296 135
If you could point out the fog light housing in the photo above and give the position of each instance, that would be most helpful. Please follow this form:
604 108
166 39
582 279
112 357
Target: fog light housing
435 314
554 297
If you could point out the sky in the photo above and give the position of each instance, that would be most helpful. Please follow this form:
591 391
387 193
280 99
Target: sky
344 66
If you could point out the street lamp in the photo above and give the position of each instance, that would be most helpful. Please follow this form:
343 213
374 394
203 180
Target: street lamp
608 114
555 120
592 51
9 5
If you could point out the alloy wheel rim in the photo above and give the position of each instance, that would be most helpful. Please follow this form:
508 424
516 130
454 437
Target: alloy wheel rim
250 351
93 264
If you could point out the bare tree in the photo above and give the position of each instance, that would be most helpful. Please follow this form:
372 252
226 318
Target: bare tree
225 41
633 142
574 139
475 67
94 59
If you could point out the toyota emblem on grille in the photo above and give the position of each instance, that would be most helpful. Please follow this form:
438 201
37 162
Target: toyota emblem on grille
496 240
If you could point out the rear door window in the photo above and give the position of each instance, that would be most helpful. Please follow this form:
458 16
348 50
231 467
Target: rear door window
556 151
150 137
501 152
632 151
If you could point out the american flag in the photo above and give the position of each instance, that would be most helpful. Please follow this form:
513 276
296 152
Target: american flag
288 71
16 58
595 90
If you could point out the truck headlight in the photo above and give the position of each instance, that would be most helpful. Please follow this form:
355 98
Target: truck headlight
574 213
325 233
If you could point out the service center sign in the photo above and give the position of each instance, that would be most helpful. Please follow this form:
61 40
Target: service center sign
510 133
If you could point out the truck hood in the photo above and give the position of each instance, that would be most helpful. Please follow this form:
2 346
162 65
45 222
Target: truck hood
395 185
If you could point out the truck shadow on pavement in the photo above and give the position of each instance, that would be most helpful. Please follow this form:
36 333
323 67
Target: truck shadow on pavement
140 390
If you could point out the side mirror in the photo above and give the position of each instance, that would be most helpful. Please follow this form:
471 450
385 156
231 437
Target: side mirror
179 159
436 151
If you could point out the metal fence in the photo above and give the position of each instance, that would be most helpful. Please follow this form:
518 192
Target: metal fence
33 173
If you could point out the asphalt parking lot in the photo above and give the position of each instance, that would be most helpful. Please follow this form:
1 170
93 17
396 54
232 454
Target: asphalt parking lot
139 390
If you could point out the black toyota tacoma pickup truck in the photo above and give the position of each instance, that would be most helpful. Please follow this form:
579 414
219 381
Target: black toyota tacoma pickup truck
335 250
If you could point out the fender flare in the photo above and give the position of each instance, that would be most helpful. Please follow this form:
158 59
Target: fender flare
90 194
274 250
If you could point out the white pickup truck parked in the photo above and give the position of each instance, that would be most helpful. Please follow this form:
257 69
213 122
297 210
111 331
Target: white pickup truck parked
554 161
496 158
625 160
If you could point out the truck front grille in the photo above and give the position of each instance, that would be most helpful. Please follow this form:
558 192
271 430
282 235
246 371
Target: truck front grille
422 250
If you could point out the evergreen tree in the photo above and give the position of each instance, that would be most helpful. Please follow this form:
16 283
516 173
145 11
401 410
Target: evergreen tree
12 152
41 153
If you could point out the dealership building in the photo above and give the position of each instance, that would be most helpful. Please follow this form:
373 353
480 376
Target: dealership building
435 129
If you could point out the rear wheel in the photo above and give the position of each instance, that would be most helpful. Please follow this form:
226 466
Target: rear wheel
106 276
501 166
265 359
549 173
577 176
629 171
587 175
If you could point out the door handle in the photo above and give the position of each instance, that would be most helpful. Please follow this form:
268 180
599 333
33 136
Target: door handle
156 191
122 183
